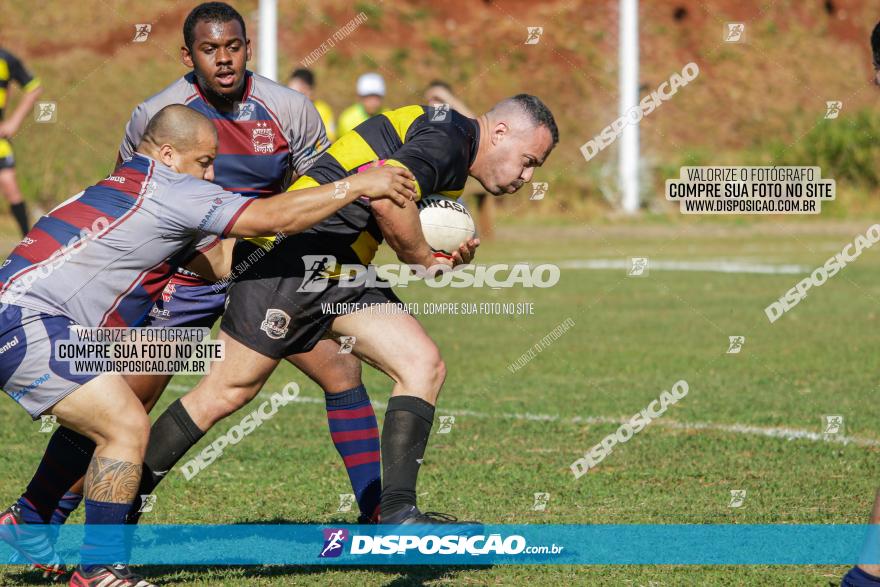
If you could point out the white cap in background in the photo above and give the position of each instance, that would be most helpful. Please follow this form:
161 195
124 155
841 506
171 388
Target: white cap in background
371 84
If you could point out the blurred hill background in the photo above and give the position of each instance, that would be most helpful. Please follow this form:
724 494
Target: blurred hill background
757 102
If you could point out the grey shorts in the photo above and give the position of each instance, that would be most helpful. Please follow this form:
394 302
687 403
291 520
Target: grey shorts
29 371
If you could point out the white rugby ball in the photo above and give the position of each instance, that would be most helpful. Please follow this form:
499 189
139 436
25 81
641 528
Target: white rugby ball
445 223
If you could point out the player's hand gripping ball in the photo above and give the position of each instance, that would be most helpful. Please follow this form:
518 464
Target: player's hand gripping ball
445 223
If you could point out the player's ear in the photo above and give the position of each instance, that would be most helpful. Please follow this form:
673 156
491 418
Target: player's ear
186 57
247 53
499 132
166 155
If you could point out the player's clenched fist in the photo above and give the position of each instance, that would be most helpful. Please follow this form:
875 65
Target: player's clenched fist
394 183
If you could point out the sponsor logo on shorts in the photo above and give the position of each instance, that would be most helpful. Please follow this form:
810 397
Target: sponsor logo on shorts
160 314
9 345
276 323
17 395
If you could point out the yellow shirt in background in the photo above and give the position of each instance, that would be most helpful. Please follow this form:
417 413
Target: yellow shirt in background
326 114
353 116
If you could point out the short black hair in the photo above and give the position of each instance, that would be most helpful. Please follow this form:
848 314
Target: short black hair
439 83
305 75
538 112
875 45
209 12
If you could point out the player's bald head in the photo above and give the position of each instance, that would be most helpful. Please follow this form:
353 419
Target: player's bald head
179 126
182 139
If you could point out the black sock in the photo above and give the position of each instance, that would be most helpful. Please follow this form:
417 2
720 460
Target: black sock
171 435
408 421
65 460
20 213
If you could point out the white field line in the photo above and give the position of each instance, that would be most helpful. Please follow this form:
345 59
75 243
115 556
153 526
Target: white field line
771 432
713 266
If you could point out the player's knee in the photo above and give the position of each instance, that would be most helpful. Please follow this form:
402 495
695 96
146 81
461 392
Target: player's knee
342 375
230 399
130 431
425 373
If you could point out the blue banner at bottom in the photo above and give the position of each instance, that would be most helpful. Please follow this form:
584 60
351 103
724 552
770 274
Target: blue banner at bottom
461 544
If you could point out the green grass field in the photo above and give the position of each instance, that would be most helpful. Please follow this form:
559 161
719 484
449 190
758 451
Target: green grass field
633 337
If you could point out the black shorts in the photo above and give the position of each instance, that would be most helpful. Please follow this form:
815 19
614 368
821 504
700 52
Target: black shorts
267 309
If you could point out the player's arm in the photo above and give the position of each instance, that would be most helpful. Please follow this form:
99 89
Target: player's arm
296 211
428 155
402 230
32 90
403 233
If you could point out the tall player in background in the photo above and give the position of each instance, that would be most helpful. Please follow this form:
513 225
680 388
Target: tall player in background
268 134
12 69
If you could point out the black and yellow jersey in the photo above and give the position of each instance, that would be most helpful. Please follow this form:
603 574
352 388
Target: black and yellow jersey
12 69
438 152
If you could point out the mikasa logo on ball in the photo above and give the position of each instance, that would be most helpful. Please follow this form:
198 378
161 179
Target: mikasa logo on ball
445 223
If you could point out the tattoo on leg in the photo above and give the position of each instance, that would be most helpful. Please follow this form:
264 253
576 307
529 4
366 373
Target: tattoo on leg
112 480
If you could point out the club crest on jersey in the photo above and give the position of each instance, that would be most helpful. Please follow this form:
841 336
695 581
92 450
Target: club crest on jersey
168 292
263 138
276 323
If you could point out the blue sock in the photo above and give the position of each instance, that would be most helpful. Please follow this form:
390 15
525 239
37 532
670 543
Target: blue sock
69 502
355 433
29 512
65 461
104 542
856 577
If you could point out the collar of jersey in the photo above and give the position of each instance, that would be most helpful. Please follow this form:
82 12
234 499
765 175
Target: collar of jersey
248 87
